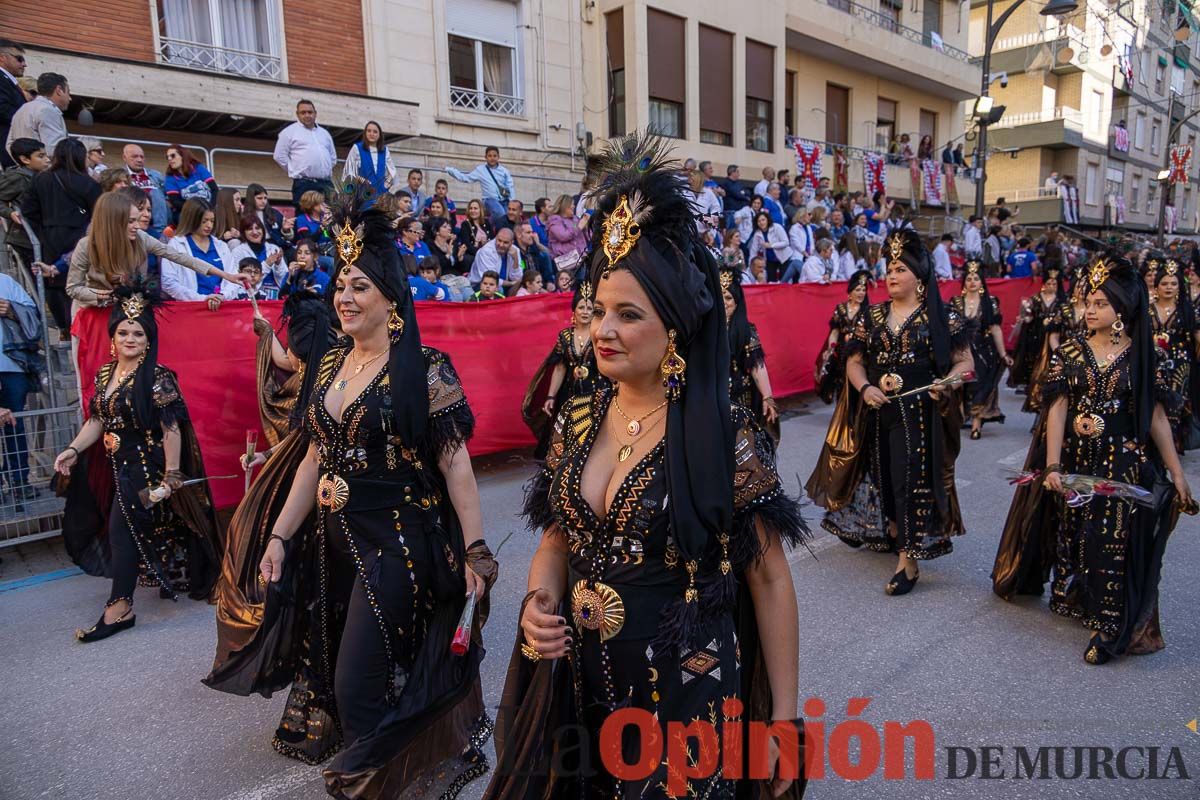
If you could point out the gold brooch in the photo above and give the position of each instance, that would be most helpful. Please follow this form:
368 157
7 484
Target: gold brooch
1089 425
333 492
1097 275
891 382
598 608
112 442
349 244
621 232
134 306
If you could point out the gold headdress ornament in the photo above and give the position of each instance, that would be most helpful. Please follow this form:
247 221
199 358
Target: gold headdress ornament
349 244
1172 266
973 267
726 279
895 249
585 291
1097 275
621 232
134 306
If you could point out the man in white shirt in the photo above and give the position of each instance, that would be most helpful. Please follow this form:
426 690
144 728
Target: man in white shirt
501 257
1052 184
973 238
802 235
305 150
760 188
42 117
942 269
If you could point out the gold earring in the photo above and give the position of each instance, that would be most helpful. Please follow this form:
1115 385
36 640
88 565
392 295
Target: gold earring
673 368
395 323
112 347
920 291
1118 328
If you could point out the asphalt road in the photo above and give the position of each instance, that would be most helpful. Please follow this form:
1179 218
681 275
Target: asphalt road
129 718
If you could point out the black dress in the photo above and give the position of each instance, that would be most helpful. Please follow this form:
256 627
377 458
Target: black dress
1038 320
630 550
743 391
1177 344
581 379
831 369
981 394
910 444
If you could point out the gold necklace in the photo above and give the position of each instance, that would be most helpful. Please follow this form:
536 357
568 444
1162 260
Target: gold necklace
634 426
627 449
341 385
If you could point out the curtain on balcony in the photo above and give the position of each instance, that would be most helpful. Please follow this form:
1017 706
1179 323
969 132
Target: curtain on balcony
497 69
244 25
188 20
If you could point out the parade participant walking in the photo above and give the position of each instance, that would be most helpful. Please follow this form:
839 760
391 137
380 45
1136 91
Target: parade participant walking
154 520
1105 417
749 383
569 371
395 497
831 363
982 311
1173 322
905 501
1038 335
631 598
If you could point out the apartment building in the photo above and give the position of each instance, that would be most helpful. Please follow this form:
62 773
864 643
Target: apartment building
1094 96
735 82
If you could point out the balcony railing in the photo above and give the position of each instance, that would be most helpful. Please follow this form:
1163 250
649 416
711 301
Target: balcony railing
487 102
887 22
199 55
1046 36
1070 115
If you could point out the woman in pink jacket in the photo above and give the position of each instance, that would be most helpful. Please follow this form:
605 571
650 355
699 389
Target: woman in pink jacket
566 233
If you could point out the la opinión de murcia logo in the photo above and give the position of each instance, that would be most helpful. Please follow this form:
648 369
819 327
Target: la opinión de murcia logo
853 750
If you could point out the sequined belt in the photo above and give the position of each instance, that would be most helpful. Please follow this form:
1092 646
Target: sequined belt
335 493
619 611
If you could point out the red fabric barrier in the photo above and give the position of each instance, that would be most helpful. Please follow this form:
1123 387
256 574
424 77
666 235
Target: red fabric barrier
496 348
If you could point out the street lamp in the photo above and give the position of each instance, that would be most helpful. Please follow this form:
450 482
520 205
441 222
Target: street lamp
1053 8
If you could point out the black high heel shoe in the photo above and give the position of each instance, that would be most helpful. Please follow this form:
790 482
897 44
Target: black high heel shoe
1096 652
103 630
977 434
901 584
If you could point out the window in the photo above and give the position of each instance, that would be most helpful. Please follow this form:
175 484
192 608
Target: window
885 123
614 23
889 13
1177 77
1095 115
1155 136
666 67
1160 73
1139 132
760 95
929 127
716 78
837 114
241 37
1090 190
931 19
1135 193
1114 181
789 103
1152 197
484 73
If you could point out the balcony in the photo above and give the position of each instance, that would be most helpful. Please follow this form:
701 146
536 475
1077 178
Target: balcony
503 105
1054 128
198 55
889 23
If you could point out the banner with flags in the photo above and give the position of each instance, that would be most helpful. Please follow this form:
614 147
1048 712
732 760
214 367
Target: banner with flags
841 170
1170 218
874 173
1181 163
931 179
808 164
1121 139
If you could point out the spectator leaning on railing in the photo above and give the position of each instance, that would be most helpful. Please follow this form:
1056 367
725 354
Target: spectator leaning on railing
42 117
14 182
194 236
305 151
21 367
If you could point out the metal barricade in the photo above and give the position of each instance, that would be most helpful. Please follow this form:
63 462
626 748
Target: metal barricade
29 509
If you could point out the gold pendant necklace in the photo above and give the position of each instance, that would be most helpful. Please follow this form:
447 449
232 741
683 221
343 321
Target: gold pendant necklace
627 449
634 426
341 385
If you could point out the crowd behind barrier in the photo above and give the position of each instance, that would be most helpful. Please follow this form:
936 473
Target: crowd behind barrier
496 348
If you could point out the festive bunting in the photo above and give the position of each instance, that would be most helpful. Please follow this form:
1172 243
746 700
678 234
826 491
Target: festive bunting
951 173
1170 218
874 173
841 170
1181 162
1070 201
931 173
808 164
1118 205
1121 139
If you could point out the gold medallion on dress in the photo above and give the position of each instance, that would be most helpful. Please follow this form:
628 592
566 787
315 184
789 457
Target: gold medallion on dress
111 442
333 492
581 372
1089 425
891 383
598 608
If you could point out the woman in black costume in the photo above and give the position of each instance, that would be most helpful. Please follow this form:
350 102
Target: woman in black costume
831 364
672 607
251 622
1038 335
902 497
153 521
387 469
1105 417
749 383
569 371
1175 333
982 312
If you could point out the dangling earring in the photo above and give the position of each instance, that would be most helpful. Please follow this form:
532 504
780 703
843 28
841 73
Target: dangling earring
1118 328
920 291
673 367
112 347
395 323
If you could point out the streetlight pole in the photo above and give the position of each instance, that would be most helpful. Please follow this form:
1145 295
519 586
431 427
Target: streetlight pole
1166 185
991 31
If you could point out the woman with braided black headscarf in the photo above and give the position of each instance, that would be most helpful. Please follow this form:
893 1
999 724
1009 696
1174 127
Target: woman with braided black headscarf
1105 396
906 359
153 519
662 520
387 474
981 309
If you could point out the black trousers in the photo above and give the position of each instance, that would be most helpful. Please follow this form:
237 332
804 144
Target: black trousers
125 555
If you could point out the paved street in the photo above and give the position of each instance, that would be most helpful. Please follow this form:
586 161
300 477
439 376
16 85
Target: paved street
129 718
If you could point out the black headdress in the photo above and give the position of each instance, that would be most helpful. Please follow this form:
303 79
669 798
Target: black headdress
860 277
363 238
905 245
739 324
986 318
309 337
643 223
1115 276
1183 302
137 302
583 291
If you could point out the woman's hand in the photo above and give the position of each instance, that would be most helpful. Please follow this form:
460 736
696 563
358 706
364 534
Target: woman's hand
270 568
289 224
214 302
548 406
779 785
475 584
1183 490
45 270
544 630
1052 482
1008 360
769 410
236 277
65 460
461 251
873 397
6 417
255 460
